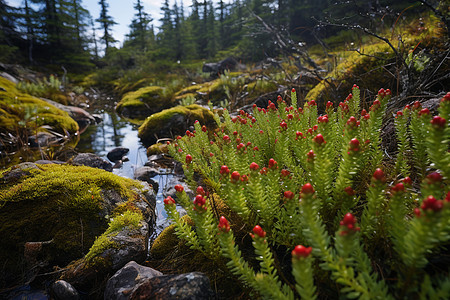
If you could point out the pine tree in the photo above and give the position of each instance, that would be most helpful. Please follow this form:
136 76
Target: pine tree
211 47
139 34
106 23
7 31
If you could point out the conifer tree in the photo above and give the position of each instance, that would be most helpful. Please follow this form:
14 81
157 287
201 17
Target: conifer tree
139 34
106 22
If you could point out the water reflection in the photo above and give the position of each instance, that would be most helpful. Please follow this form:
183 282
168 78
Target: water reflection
114 132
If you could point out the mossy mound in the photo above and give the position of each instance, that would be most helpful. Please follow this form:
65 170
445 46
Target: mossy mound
144 102
172 122
67 205
157 148
209 91
22 115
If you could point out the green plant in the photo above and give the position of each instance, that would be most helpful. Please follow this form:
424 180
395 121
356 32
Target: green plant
189 100
297 179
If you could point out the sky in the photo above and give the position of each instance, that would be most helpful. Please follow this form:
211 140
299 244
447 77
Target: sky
122 12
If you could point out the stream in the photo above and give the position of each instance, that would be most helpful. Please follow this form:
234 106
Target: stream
115 132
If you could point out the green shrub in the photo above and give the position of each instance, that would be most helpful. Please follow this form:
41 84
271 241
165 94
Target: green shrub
324 181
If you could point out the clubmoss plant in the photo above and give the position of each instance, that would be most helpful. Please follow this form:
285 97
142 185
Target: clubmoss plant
298 177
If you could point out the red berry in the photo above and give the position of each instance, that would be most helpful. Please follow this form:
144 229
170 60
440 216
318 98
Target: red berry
285 173
273 164
438 122
293 90
224 226
301 251
235 176
399 187
307 188
283 125
288 195
354 145
434 177
349 191
169 201
378 175
224 170
226 138
179 188
424 111
188 159
254 166
199 200
312 103
329 104
200 191
259 231
319 139
407 181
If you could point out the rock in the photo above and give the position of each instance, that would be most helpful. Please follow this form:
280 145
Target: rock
82 117
144 173
42 139
228 64
117 154
62 290
172 122
126 280
143 102
91 160
169 189
47 162
70 207
192 286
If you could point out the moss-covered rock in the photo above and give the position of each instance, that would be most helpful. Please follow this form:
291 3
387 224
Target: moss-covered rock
209 91
22 115
157 148
69 206
144 102
172 122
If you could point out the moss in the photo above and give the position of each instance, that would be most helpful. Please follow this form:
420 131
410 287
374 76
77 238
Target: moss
128 219
61 203
157 148
173 121
22 115
144 102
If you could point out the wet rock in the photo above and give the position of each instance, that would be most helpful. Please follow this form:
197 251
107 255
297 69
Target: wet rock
42 139
62 290
47 162
220 67
117 154
144 173
91 160
17 172
169 190
190 286
126 280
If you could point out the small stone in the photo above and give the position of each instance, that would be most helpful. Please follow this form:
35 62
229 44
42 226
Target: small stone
62 290
117 154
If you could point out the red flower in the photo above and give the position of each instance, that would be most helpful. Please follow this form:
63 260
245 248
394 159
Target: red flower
179 188
204 129
349 191
169 201
285 173
352 122
312 103
382 93
354 145
417 105
188 159
224 170
438 122
240 146
201 191
446 97
417 212
255 148
254 166
226 139
424 111
263 171
329 104
199 200
434 177
293 90
318 139
235 133
363 112
431 203
407 181
399 114
378 175
288 195
322 119
399 187
224 226
273 164
235 176
311 155
283 125
301 251
307 189
376 105
259 231
290 117
348 221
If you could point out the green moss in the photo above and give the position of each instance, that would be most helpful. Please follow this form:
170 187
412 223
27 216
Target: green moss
21 113
157 148
61 203
127 219
173 121
143 102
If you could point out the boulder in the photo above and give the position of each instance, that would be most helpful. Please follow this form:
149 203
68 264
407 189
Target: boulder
117 154
126 280
143 102
144 173
62 290
54 214
172 122
91 160
228 64
192 286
